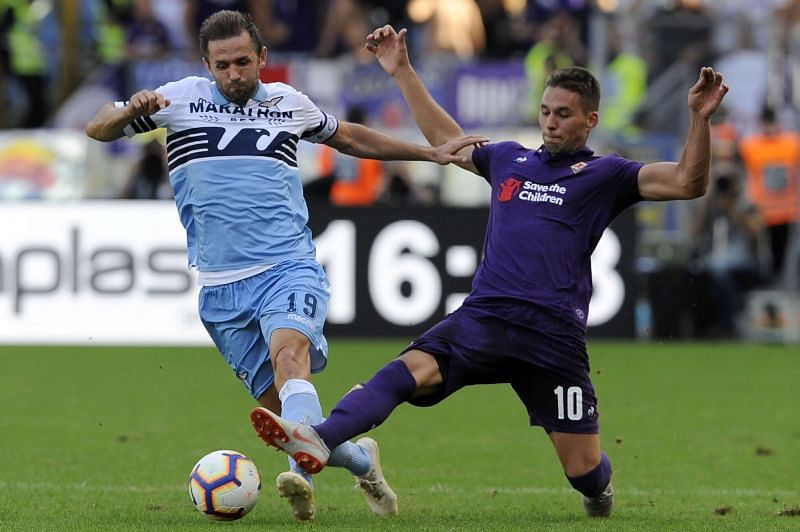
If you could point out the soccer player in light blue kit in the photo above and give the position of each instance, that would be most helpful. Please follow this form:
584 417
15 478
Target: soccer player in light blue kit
231 149
524 322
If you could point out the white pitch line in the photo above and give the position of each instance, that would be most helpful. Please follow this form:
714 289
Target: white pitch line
85 486
627 491
436 488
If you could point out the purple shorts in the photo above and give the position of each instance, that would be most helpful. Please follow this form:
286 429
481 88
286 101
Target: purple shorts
548 369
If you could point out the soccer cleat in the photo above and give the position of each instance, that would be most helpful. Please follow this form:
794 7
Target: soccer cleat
601 505
299 441
380 497
298 492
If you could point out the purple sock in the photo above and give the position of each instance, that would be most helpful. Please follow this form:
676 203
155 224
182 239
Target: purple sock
367 407
595 481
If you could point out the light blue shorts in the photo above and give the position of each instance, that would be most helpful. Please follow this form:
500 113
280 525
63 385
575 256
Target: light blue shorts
241 316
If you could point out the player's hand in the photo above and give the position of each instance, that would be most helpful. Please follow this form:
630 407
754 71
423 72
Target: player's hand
448 152
145 103
389 48
706 95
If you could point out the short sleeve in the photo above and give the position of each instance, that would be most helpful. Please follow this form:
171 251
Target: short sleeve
320 126
481 158
626 180
171 91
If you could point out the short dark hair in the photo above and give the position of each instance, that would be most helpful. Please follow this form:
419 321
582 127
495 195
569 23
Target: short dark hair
581 82
226 24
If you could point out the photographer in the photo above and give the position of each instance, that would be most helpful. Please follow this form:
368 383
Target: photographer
728 231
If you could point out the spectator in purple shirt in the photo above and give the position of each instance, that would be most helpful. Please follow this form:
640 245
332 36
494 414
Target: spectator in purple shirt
524 323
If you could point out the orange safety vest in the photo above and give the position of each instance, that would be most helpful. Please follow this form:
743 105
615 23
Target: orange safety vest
357 184
772 162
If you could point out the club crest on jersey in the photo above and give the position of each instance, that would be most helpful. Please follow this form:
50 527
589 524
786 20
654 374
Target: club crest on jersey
508 188
271 103
577 167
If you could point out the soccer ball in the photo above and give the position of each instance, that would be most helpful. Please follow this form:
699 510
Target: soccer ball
224 485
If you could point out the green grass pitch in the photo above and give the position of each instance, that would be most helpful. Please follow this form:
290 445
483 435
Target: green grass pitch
702 437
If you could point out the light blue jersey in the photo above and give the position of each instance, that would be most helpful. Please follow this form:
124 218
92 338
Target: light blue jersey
234 174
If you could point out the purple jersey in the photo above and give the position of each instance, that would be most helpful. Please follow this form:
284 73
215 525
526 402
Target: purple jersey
547 215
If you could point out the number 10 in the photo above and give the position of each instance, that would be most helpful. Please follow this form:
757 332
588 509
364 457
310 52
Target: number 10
574 403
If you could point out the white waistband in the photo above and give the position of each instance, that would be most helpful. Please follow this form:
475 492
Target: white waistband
230 276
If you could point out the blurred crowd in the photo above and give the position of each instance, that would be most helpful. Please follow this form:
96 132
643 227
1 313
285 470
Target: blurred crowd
645 52
645 46
44 41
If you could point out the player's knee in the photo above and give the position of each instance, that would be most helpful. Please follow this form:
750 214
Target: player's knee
424 368
578 453
580 464
292 361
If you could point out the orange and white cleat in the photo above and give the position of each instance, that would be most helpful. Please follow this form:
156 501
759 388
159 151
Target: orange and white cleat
299 441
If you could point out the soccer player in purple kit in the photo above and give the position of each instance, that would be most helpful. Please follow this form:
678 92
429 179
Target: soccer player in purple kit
524 322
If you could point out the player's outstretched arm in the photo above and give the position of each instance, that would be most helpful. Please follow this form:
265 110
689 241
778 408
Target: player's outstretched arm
361 141
438 127
688 178
110 121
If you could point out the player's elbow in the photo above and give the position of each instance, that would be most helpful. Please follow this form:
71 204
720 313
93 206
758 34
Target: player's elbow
693 188
350 146
95 131
344 140
692 182
92 132
444 135
699 191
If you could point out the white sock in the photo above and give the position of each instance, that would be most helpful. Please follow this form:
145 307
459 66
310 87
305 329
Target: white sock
300 403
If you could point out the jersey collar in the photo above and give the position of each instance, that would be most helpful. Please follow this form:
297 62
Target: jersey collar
219 99
546 156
